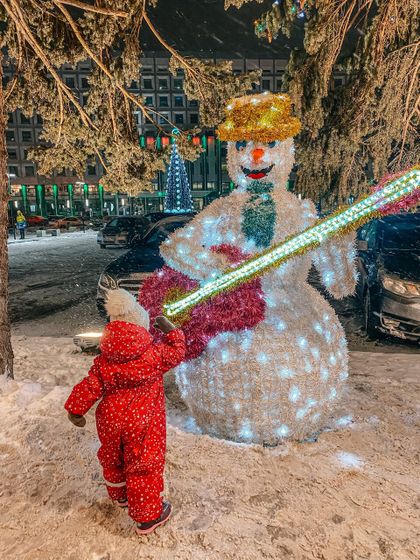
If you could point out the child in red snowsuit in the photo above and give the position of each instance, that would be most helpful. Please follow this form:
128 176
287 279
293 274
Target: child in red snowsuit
131 421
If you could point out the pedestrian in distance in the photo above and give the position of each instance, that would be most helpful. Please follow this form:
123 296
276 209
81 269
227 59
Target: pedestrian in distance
21 224
128 378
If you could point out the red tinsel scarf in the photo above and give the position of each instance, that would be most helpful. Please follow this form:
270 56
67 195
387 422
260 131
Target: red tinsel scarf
235 310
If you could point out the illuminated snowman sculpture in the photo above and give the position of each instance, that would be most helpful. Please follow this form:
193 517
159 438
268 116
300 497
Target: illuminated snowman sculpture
279 379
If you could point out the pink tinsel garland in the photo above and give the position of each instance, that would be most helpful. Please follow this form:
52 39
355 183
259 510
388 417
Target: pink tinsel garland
235 310
401 205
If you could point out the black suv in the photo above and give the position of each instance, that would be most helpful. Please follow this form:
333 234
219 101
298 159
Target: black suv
131 269
389 267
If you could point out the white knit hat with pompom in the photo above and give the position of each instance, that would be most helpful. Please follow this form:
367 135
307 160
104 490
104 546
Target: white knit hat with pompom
122 306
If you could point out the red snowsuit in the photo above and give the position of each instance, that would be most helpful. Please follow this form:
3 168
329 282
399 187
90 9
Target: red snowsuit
130 418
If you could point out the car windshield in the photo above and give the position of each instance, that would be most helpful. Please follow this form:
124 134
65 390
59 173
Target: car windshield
121 222
401 233
156 235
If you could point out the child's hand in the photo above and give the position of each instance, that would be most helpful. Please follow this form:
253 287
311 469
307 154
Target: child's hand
163 324
77 419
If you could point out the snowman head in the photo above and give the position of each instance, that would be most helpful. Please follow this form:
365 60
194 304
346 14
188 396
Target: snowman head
259 130
269 162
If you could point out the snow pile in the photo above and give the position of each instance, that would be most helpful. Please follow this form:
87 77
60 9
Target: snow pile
350 495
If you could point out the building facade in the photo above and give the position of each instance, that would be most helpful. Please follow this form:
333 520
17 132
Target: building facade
67 194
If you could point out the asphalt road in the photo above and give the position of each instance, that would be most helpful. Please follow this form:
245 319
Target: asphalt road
54 275
53 287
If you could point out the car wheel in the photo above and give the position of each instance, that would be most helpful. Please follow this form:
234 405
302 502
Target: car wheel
370 319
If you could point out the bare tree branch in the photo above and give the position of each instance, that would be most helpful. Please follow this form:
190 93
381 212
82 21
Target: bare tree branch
95 9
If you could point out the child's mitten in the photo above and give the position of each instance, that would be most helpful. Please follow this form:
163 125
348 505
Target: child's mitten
77 419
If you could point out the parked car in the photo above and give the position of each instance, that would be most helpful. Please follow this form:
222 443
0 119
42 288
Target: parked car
66 222
154 217
36 221
95 222
131 269
389 283
121 231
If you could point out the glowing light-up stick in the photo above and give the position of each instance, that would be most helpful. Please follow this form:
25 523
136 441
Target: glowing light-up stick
395 190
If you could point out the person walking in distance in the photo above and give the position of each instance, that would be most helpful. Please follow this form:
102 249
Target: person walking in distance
21 224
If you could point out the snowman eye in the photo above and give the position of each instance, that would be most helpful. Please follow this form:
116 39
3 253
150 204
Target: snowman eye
240 145
272 144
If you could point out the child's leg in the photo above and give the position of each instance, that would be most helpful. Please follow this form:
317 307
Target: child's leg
111 458
144 475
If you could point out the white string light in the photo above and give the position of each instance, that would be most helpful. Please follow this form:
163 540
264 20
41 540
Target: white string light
393 191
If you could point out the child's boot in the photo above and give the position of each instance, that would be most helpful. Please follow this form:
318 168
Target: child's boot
150 526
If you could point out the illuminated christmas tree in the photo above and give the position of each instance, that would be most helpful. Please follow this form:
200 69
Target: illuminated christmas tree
178 192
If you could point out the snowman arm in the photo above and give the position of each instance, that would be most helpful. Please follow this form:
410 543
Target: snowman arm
188 249
335 261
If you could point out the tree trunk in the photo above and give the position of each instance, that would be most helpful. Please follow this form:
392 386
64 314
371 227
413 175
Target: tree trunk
6 352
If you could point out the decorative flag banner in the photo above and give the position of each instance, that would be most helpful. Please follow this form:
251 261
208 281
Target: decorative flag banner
390 196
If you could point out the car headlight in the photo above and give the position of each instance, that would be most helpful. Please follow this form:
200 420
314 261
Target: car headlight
402 287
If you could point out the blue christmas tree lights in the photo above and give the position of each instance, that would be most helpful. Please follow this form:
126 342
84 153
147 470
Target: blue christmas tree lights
178 193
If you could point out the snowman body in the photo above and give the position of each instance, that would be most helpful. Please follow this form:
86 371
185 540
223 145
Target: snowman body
281 378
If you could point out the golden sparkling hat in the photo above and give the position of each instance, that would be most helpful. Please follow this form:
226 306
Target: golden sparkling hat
264 117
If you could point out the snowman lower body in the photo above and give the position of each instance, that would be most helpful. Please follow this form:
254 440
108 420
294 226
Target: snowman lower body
278 380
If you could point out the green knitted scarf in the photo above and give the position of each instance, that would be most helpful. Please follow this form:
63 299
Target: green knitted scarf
259 214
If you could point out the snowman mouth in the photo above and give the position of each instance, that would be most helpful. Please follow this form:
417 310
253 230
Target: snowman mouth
256 173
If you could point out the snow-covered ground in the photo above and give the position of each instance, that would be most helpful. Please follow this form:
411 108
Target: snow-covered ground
353 494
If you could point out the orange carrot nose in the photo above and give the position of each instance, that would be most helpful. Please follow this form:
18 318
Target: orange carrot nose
257 154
